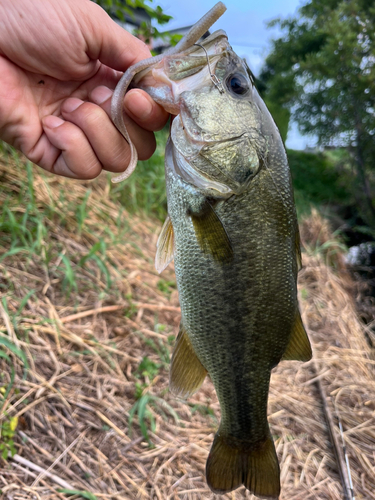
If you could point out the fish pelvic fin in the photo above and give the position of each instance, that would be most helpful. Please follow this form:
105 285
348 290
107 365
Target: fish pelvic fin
165 246
298 250
211 234
232 463
186 373
299 347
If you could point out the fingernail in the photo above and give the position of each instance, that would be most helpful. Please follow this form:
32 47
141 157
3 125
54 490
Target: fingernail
71 104
101 94
138 104
52 121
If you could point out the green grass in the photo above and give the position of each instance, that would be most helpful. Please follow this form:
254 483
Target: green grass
145 402
81 494
317 180
8 426
144 191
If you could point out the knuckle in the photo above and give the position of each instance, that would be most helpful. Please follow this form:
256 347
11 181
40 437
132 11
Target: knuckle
74 137
92 114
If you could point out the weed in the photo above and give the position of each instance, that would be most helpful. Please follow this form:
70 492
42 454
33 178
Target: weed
146 419
147 368
8 427
316 180
98 248
202 409
160 349
83 494
82 211
142 407
166 286
69 281
8 424
144 191
7 345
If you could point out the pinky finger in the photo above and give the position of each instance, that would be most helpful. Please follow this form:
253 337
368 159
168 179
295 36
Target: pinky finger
73 155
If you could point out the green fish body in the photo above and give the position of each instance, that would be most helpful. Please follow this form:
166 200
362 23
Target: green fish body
232 231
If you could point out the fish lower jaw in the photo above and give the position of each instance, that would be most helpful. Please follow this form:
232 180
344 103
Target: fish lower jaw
209 187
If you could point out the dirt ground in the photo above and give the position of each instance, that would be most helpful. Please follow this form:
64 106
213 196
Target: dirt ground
95 418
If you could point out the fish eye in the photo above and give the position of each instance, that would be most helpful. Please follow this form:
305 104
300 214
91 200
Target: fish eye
237 84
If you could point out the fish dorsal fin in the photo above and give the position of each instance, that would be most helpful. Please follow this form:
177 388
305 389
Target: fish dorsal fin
211 234
187 372
298 251
299 347
165 246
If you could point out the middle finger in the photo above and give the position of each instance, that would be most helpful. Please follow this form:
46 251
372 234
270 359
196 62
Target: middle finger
108 144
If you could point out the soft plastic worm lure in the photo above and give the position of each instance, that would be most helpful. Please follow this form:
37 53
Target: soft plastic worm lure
193 35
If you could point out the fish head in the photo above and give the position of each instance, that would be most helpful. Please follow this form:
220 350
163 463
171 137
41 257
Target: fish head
218 131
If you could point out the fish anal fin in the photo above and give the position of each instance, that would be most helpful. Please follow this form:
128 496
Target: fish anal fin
211 234
231 464
299 347
186 373
165 246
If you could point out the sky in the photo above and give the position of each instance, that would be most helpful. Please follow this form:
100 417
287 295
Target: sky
245 23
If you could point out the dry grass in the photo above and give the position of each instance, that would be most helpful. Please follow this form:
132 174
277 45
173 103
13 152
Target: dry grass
86 329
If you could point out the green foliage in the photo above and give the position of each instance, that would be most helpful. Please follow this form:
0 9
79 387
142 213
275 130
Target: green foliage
82 211
280 115
203 410
316 181
144 191
159 347
7 348
83 494
145 401
69 281
97 253
146 419
122 9
10 346
25 229
166 286
147 368
322 69
8 426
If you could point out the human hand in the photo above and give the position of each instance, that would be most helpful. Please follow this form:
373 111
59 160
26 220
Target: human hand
59 64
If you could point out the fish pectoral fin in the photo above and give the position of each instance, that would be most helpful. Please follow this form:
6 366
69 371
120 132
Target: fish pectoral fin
211 234
299 347
165 246
229 465
186 373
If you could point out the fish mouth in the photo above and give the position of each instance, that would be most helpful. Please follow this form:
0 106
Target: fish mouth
222 160
169 78
187 157
228 163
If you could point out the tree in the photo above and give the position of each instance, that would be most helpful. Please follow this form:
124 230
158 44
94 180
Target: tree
121 9
322 69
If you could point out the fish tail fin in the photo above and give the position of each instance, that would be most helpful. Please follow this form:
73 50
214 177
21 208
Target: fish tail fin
232 463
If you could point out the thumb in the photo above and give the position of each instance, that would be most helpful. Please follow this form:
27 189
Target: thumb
109 43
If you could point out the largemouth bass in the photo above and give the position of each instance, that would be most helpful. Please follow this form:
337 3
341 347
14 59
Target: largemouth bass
232 231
